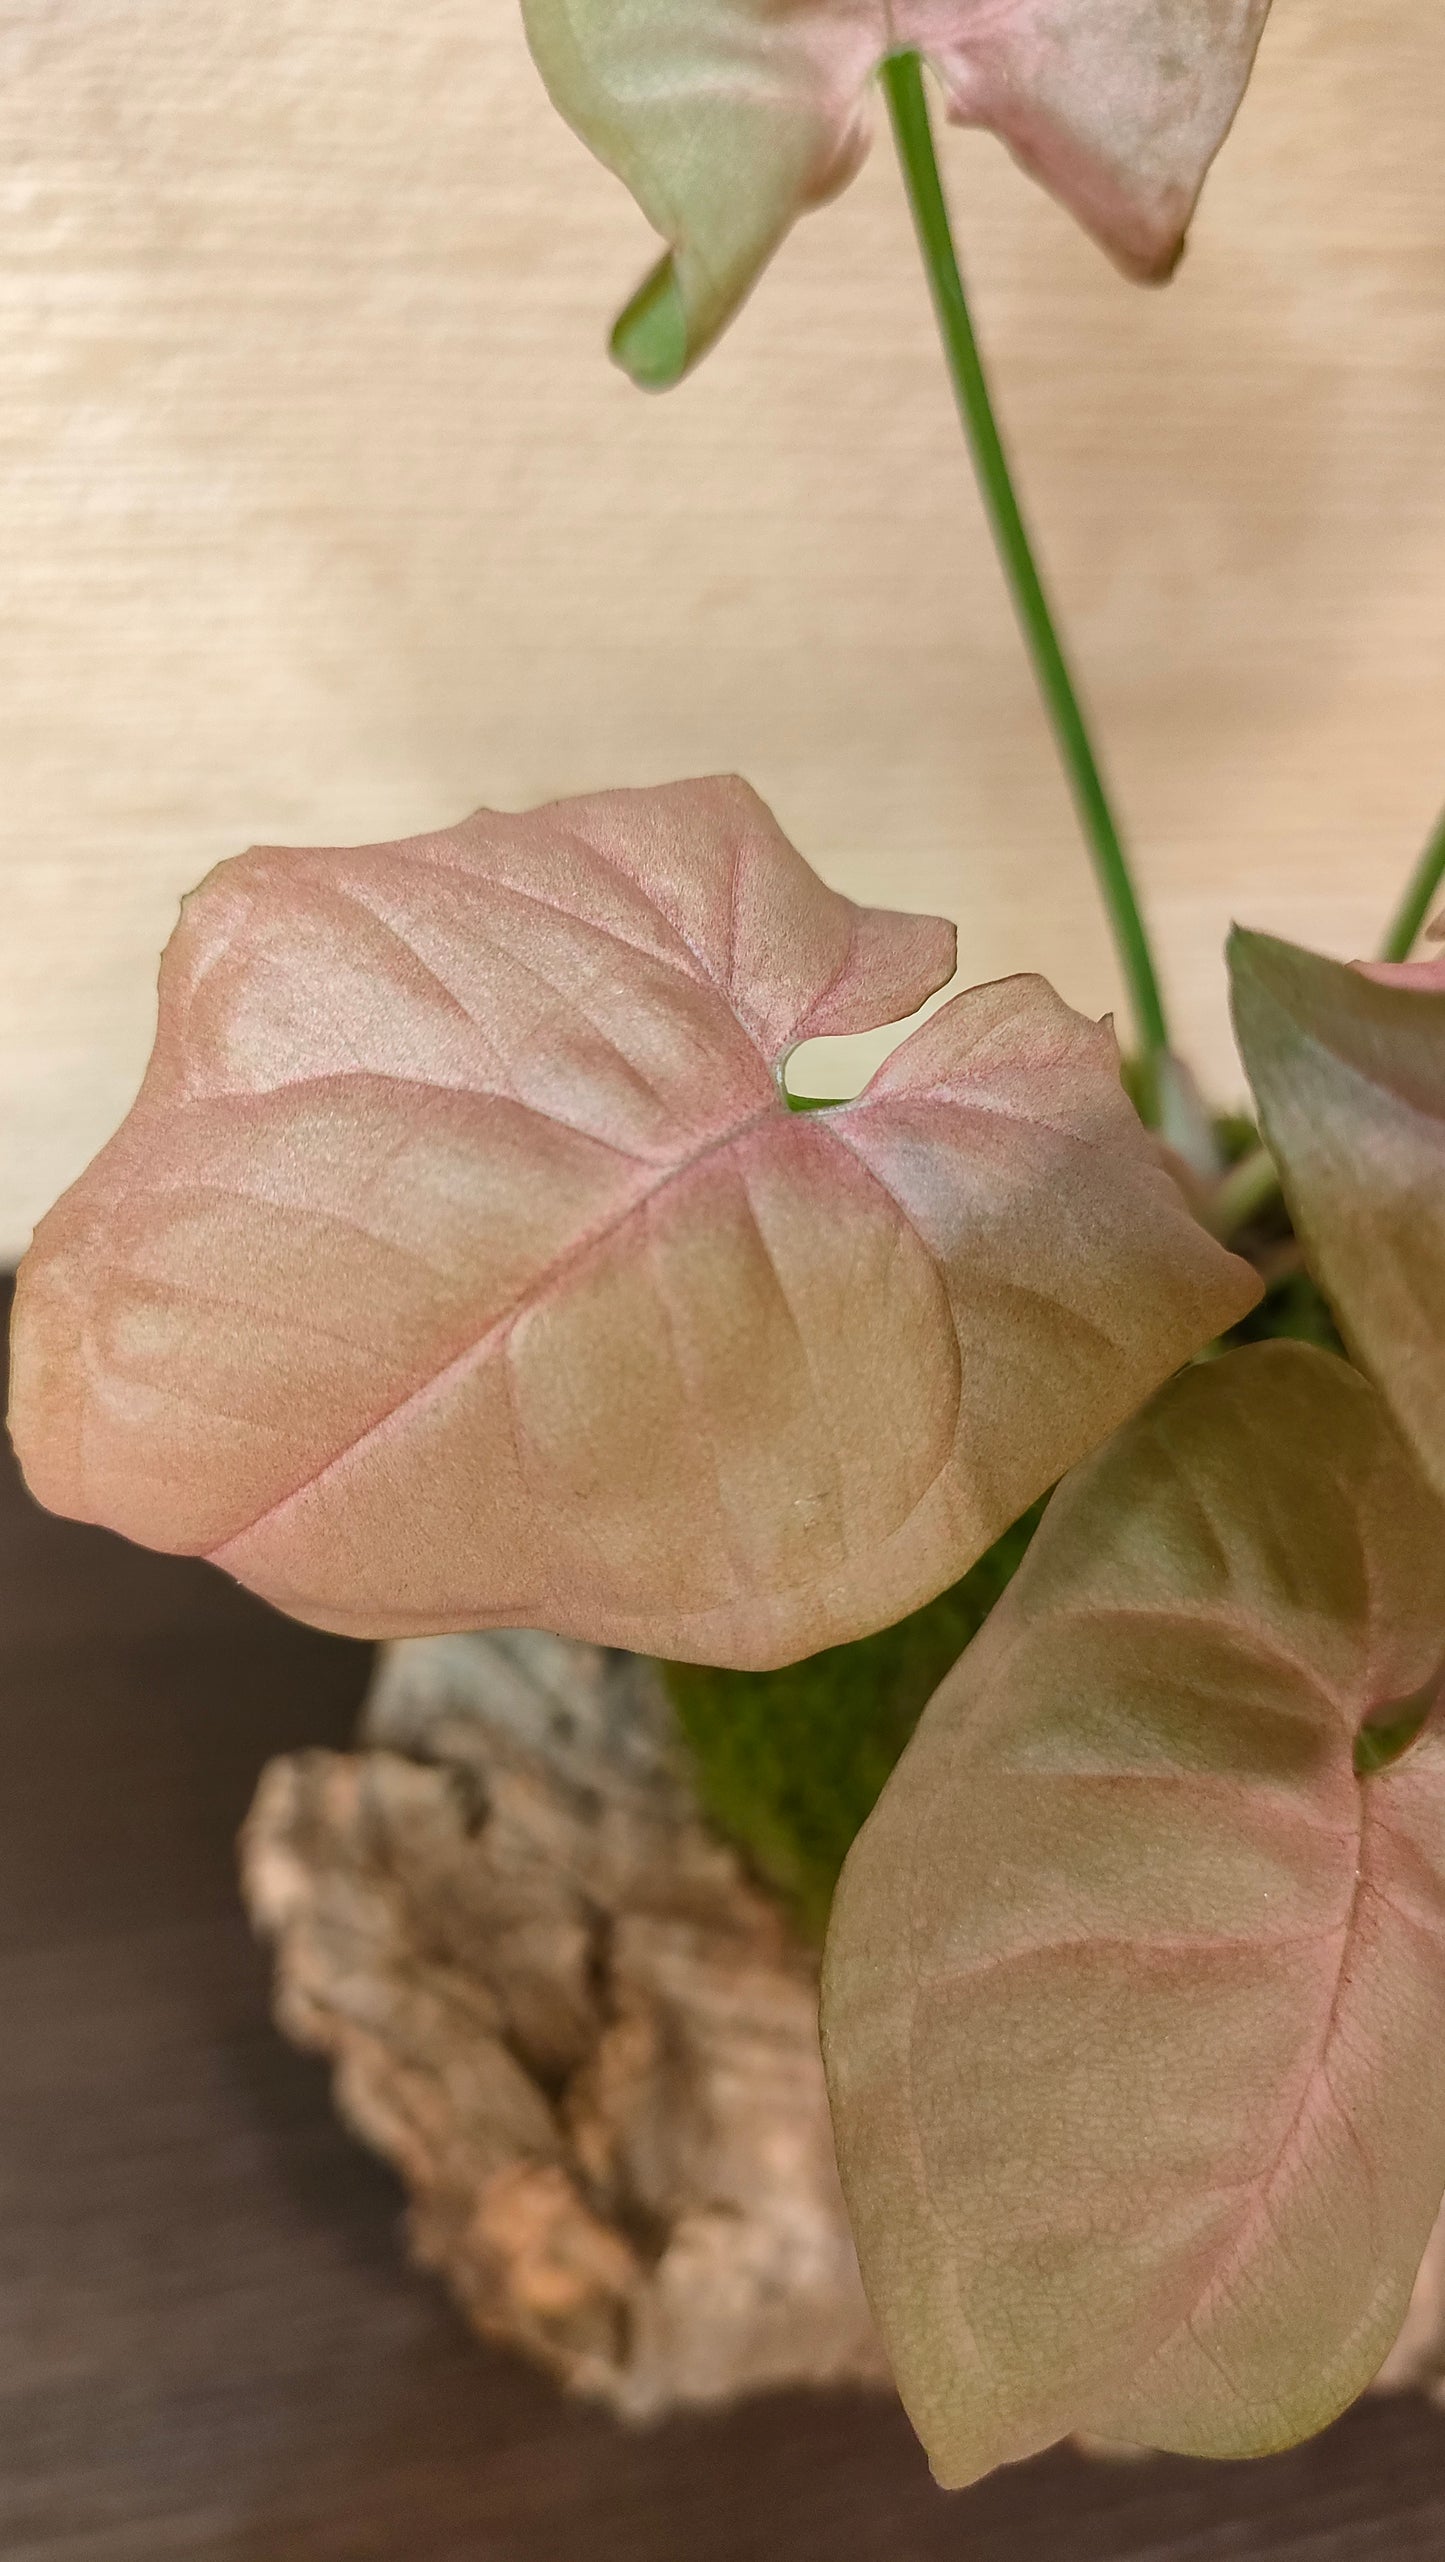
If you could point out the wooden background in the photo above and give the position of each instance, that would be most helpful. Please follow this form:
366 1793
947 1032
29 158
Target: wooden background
323 516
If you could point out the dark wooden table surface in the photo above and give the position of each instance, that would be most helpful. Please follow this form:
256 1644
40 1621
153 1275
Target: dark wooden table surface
210 2344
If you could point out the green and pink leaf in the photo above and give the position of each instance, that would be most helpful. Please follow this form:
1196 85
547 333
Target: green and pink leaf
729 118
1348 1066
1135 1987
461 1263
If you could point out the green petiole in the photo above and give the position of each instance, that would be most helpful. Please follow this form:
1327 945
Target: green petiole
1420 894
902 77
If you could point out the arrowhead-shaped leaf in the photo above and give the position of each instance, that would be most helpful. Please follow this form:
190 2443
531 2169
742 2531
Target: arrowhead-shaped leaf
728 119
1348 1065
1135 1991
462 1264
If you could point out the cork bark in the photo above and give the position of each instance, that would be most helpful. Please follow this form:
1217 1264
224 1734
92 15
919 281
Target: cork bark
554 2001
587 2042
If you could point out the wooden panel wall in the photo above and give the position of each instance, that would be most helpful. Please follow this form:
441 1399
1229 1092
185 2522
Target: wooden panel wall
322 515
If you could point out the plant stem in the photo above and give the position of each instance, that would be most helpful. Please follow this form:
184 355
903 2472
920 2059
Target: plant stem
1247 1189
1418 900
902 77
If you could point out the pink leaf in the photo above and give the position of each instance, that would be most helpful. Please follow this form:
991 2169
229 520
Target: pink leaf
462 1264
1134 2003
1426 978
729 118
1348 1065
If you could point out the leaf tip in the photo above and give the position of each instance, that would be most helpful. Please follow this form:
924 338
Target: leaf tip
1265 966
1157 265
650 338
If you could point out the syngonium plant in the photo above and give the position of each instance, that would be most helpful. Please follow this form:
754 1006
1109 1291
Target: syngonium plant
729 118
464 1262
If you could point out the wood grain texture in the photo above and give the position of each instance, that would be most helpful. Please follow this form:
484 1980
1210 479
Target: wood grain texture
210 2346
323 516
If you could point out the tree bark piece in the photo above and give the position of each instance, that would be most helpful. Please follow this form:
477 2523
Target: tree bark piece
556 2003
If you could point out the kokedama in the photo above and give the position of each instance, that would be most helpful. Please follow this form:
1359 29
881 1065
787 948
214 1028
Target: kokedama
465 1262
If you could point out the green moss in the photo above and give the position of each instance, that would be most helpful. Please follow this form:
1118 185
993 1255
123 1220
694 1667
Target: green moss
790 1764
1293 1307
